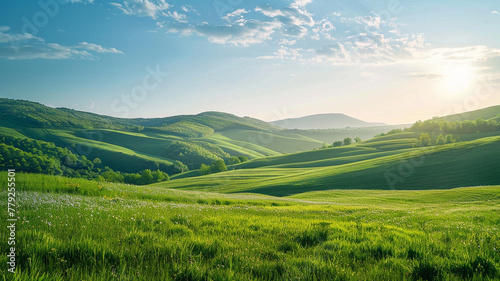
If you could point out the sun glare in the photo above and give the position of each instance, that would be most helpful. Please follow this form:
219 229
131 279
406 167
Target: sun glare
457 80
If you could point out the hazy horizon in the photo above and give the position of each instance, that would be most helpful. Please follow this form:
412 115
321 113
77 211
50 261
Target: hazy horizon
391 61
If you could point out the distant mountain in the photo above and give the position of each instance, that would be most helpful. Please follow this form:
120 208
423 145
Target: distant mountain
323 121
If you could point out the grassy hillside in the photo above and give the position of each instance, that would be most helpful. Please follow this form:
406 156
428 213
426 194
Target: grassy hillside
484 113
331 135
274 142
171 144
126 232
131 145
359 167
31 114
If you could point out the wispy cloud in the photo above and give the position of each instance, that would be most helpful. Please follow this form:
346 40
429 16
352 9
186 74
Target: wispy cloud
244 34
143 8
286 53
462 55
424 75
237 13
97 48
5 37
293 21
495 12
365 40
300 35
27 46
81 1
301 3
42 51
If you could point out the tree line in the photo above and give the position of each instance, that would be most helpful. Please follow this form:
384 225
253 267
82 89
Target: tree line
34 156
345 141
456 127
425 139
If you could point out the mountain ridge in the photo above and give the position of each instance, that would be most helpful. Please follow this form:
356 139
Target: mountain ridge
324 121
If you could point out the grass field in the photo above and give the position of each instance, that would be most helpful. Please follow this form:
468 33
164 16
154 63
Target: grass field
73 229
367 166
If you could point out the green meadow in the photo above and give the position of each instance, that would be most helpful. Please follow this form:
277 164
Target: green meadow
421 203
75 229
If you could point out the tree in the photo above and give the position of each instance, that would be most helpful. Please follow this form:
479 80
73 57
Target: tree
347 141
97 162
112 176
357 139
146 177
440 140
132 178
243 159
337 143
449 139
204 170
159 176
233 160
424 140
218 166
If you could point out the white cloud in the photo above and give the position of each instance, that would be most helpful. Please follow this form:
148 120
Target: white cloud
81 1
98 49
371 21
243 34
463 55
176 16
285 53
236 13
293 20
365 40
323 29
13 38
424 75
42 51
143 8
495 12
287 42
301 3
27 46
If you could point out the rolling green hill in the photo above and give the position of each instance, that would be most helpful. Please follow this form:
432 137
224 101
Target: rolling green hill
465 163
283 162
484 113
171 144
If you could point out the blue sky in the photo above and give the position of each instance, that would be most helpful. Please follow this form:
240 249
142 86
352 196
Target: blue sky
393 61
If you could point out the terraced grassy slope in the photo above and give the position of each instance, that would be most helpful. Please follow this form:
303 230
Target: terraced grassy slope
274 142
358 167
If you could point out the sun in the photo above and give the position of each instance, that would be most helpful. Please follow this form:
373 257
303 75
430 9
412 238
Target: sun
457 80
